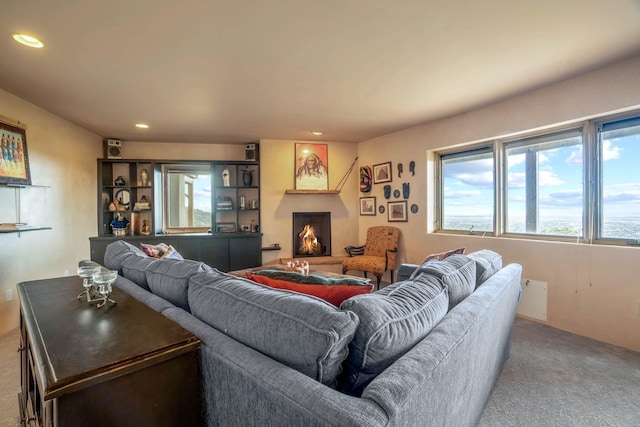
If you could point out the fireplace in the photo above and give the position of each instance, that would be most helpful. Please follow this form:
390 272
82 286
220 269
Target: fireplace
311 234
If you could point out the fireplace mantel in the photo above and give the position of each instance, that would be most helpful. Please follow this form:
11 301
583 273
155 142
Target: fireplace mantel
311 191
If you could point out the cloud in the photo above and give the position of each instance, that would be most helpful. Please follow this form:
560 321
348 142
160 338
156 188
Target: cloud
462 194
563 198
575 158
546 178
610 151
622 197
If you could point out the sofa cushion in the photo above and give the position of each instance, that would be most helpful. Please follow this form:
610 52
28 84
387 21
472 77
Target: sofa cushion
134 268
392 321
487 264
333 294
295 277
306 334
116 252
457 272
169 279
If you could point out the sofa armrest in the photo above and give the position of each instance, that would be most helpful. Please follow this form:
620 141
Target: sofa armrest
243 387
405 271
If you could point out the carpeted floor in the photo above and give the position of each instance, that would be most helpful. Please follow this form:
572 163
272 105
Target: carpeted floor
553 378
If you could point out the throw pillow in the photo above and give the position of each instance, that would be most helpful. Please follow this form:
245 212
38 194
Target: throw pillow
392 321
442 255
304 333
161 250
333 294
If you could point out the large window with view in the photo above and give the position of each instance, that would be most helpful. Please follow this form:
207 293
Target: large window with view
579 183
544 184
618 154
467 190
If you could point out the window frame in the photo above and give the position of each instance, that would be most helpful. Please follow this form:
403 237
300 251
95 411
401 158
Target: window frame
166 169
592 185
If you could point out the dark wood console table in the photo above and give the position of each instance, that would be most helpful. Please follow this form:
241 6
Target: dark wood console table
121 365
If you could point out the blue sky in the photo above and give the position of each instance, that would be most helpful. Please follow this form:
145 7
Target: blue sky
469 185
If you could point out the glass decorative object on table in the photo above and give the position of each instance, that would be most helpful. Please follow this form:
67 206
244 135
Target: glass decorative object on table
87 272
103 281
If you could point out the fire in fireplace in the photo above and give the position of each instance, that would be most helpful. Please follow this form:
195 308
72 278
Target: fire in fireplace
311 234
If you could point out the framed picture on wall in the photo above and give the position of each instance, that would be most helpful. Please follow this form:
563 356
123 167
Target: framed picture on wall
311 166
14 160
367 206
397 211
382 173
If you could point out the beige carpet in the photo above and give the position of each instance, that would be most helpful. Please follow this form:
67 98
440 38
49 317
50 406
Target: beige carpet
9 379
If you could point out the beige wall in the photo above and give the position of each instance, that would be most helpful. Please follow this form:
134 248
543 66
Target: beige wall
593 290
62 156
277 175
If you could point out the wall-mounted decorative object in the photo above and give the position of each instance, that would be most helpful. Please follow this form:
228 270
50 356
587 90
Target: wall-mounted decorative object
382 173
396 193
365 179
368 206
414 208
400 170
225 227
311 166
397 211
405 190
14 160
387 191
381 209
412 167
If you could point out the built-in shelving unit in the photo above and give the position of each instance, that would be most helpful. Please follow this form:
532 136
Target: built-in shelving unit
234 241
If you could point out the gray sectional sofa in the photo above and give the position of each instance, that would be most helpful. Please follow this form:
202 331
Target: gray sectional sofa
424 351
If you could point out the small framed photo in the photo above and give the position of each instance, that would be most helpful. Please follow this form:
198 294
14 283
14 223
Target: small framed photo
397 211
226 227
367 206
382 173
245 227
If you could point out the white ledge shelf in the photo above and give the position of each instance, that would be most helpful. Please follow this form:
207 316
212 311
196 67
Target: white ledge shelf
311 191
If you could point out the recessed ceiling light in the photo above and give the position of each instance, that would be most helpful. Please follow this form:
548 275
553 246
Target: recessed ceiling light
27 40
316 132
142 125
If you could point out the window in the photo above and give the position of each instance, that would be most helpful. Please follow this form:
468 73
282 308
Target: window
544 185
467 189
187 197
572 183
618 154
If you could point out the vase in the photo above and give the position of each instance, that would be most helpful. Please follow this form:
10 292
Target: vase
247 178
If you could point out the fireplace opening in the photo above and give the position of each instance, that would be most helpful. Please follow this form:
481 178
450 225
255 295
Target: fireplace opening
311 234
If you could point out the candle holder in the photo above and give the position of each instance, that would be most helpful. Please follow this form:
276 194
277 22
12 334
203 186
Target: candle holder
87 272
103 281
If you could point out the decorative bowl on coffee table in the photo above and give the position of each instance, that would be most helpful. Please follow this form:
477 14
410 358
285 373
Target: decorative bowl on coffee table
87 272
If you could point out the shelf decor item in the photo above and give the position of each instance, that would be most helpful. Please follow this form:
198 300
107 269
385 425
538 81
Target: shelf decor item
247 177
14 161
119 225
311 167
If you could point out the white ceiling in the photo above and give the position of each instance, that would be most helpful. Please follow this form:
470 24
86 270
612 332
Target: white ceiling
243 70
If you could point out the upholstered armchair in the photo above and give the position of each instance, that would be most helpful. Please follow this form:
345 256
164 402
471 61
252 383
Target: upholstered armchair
377 255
